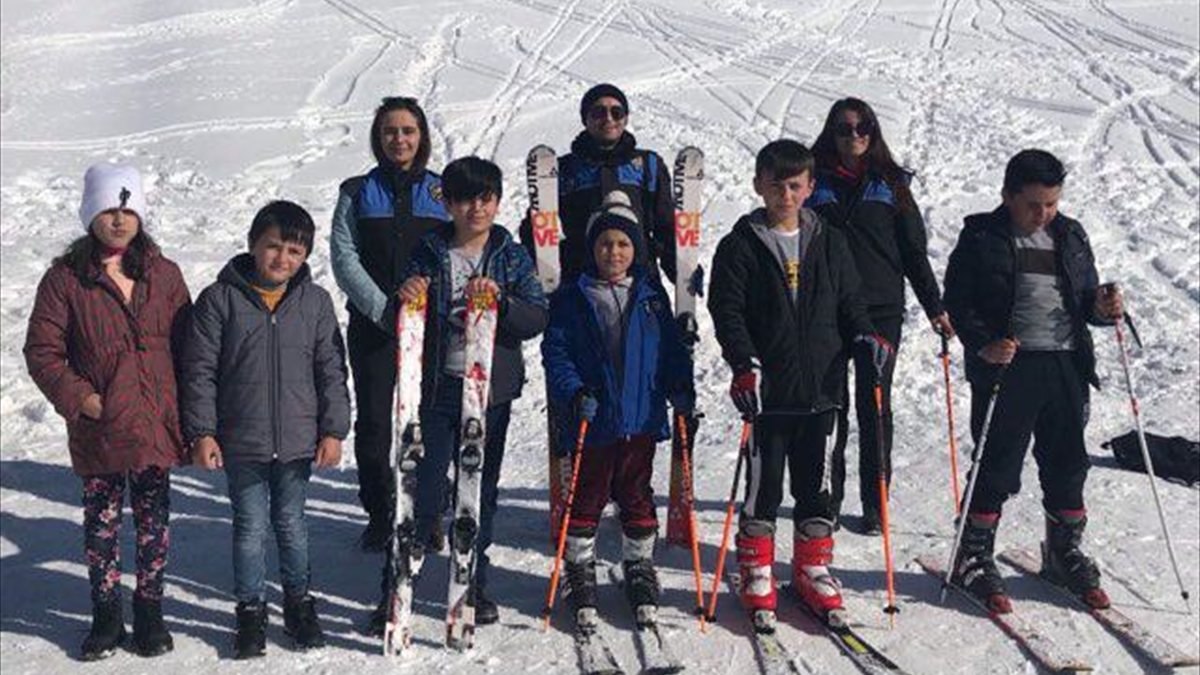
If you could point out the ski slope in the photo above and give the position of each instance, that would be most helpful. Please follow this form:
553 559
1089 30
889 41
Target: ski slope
225 105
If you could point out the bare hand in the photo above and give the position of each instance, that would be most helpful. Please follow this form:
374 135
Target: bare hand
1000 352
413 289
329 452
478 285
93 407
206 452
1109 303
942 326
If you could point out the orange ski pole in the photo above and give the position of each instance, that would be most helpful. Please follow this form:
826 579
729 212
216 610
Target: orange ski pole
689 499
891 608
950 422
743 447
562 531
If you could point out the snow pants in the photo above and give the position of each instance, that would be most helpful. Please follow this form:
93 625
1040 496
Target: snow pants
802 444
1043 395
620 472
149 497
373 361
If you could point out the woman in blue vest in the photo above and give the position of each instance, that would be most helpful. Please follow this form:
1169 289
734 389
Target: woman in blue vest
377 223
864 192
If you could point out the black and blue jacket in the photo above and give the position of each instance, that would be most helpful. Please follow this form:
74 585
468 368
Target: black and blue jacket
886 237
522 311
587 174
378 220
656 363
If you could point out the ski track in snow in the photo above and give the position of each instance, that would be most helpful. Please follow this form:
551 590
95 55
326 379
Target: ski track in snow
224 107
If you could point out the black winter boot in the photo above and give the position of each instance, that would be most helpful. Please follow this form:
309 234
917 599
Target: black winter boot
486 611
251 639
1064 564
975 567
300 622
150 636
107 633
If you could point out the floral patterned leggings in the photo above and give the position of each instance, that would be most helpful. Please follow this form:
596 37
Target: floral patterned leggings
103 497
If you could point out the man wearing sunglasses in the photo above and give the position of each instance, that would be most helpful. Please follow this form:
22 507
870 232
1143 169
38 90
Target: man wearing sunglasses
605 158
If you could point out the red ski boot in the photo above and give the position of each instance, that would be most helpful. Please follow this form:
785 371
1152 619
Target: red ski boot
756 556
813 551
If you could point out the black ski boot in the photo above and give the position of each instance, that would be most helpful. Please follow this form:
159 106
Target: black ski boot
1064 564
107 633
150 636
641 581
251 639
486 611
300 622
975 566
580 567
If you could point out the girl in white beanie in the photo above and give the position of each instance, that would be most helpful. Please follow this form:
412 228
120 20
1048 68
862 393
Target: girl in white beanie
100 346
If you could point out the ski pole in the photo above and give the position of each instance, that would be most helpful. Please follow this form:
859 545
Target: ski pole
1137 420
689 499
891 610
976 460
562 530
950 424
743 450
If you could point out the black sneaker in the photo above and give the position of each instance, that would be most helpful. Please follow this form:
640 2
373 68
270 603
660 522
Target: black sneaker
377 622
251 639
871 524
374 538
300 622
107 633
486 611
150 636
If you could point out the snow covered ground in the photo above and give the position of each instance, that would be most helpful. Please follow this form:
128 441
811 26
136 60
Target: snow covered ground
224 105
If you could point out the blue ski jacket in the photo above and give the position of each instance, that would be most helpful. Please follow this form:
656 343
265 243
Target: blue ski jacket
656 363
522 308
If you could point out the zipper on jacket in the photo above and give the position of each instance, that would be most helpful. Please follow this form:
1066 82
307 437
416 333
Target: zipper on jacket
273 387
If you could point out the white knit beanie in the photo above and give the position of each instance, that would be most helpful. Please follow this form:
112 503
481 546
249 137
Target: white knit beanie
617 203
103 186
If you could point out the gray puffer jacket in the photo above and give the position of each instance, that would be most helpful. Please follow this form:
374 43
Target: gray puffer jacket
266 385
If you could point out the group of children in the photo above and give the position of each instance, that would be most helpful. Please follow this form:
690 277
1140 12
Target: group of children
262 374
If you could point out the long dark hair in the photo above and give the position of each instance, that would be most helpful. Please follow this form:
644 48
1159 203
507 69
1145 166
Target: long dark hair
878 158
83 257
391 104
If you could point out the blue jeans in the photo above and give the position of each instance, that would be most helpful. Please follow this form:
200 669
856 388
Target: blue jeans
440 427
261 494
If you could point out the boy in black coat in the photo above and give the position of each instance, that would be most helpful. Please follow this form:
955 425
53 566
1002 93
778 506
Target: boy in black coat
1021 289
784 301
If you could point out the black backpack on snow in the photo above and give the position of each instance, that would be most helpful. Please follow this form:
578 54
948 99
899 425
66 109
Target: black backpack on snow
1175 458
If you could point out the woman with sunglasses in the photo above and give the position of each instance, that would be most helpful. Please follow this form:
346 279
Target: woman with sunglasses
864 192
378 220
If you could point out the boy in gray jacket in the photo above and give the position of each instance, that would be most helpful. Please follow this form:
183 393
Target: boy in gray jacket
264 397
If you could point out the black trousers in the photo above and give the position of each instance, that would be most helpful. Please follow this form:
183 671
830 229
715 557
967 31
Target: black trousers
373 361
802 444
864 408
1042 394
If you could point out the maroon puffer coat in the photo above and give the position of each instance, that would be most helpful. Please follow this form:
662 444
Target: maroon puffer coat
85 340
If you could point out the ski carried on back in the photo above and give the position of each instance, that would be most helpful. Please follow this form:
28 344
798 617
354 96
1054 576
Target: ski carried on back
1035 643
655 653
687 182
541 179
837 625
1125 628
404 555
773 657
480 331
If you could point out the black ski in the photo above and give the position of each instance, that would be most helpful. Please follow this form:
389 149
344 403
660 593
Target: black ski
865 656
1125 628
773 657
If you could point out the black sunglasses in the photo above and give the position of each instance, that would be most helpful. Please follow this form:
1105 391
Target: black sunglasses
845 129
599 112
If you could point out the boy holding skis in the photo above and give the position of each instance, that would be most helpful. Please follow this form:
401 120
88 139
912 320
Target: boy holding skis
451 263
264 396
1021 288
613 350
784 300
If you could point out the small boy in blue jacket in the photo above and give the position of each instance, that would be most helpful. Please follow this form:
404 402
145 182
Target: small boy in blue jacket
613 350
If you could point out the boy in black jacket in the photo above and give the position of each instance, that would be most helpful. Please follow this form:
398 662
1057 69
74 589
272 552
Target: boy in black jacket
784 300
1021 289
